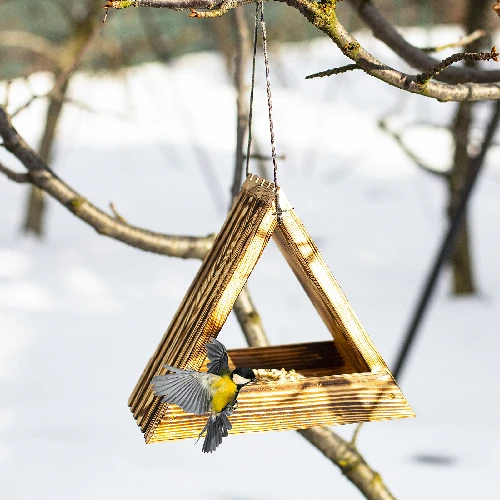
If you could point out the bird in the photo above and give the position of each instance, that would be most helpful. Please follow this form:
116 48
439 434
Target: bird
214 392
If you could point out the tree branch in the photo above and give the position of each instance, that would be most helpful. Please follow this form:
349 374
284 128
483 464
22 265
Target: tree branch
41 176
434 72
352 464
334 71
415 57
411 154
249 320
14 176
324 17
462 42
165 4
468 85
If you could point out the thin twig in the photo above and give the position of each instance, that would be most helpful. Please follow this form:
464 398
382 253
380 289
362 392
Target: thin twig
409 153
63 78
19 177
352 464
261 157
116 213
424 77
464 41
355 434
249 320
415 57
334 71
8 85
187 247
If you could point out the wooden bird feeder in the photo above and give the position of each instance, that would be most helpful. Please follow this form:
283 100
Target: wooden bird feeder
344 380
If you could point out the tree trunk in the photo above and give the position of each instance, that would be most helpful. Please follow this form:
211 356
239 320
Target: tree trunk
461 262
75 45
35 210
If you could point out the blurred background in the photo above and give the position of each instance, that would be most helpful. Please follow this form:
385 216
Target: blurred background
144 35
141 112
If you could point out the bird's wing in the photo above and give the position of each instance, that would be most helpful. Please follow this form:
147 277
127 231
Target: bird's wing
185 388
217 427
217 356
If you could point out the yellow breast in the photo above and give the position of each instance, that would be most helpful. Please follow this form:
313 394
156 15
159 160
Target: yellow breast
223 393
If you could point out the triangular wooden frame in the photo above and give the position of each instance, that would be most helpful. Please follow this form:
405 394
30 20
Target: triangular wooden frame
345 380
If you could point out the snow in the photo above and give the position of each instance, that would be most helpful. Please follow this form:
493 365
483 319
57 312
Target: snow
81 314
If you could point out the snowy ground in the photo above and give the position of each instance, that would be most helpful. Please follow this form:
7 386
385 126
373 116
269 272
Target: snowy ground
80 314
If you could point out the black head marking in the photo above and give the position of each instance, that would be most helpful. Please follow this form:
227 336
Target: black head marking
242 376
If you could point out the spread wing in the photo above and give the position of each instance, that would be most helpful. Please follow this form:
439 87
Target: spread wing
187 389
217 356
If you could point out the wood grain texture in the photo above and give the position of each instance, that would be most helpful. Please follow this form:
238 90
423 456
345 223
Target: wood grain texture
325 293
309 359
345 380
333 400
211 296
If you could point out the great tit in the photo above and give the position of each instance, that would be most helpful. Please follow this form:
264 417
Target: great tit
213 392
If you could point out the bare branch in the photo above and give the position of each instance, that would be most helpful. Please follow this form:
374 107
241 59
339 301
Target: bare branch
462 42
465 84
77 57
116 213
334 71
423 78
27 104
14 176
84 32
163 4
262 157
249 320
41 176
409 153
415 57
324 18
8 85
355 434
352 464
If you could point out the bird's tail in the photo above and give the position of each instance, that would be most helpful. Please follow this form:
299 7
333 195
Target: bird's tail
217 427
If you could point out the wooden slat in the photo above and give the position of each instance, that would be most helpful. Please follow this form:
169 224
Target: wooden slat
210 298
324 292
335 400
306 357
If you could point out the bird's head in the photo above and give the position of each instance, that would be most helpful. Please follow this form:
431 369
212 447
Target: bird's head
242 376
